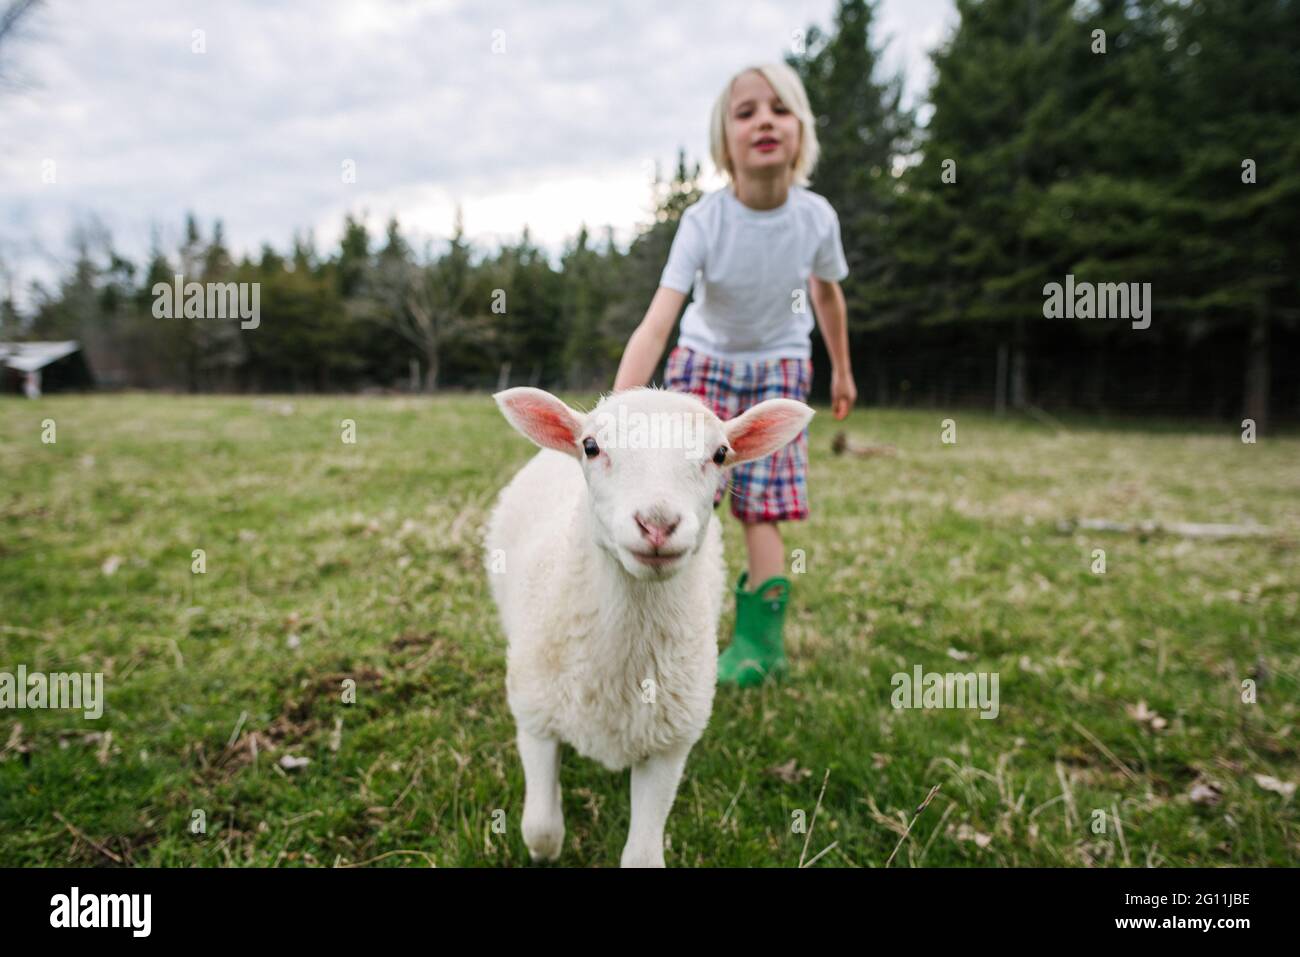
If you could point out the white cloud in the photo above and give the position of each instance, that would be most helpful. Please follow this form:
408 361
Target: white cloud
555 131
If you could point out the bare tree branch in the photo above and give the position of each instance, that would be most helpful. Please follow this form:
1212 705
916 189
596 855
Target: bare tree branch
10 18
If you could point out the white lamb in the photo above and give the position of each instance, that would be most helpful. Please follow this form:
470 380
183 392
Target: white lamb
605 560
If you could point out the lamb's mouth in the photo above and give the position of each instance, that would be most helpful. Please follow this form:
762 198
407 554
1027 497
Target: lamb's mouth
657 559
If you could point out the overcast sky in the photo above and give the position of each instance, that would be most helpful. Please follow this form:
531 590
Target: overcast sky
558 127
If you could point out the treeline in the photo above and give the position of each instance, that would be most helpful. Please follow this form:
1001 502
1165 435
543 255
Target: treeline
1118 141
374 313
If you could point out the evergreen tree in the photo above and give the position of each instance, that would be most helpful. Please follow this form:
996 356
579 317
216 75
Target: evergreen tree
864 134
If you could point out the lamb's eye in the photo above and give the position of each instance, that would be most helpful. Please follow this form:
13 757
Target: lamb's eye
590 447
720 456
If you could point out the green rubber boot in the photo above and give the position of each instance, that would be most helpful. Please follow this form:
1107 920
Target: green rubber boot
756 650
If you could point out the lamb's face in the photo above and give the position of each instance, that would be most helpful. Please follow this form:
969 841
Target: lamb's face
652 461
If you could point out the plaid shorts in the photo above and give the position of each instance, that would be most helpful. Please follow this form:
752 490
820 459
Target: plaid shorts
771 489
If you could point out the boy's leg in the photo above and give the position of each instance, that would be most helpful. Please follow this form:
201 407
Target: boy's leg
766 551
763 493
757 649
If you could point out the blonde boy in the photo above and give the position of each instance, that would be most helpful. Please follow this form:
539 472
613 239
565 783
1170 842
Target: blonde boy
755 252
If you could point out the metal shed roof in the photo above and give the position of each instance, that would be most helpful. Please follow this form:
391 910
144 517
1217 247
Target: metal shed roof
30 356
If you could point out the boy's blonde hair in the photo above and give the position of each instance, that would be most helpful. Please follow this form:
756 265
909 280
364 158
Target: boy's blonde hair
787 85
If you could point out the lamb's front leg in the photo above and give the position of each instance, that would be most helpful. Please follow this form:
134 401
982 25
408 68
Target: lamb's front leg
543 822
654 786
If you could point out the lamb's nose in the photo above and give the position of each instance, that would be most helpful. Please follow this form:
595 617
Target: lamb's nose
654 529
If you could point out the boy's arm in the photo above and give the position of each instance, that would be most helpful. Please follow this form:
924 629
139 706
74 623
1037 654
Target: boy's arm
831 312
646 345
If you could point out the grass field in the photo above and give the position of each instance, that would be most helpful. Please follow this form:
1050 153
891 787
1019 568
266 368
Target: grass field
1119 692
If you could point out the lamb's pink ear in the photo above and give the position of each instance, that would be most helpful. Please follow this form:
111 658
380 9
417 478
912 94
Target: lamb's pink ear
542 417
765 428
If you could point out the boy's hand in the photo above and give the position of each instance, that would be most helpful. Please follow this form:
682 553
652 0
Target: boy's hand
648 340
844 393
831 312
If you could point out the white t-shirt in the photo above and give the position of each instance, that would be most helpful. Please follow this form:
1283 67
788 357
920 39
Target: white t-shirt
746 266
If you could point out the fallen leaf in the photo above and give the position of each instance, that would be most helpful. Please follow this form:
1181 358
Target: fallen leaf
15 742
790 772
968 833
105 748
1270 783
1144 715
1207 793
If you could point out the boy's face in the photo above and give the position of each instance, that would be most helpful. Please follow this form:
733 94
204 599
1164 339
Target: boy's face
762 133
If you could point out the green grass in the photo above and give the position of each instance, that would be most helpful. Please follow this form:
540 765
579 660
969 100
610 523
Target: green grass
943 556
